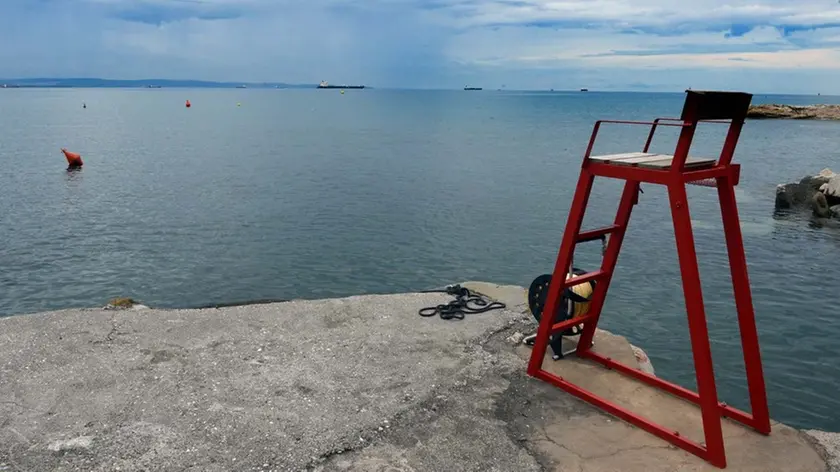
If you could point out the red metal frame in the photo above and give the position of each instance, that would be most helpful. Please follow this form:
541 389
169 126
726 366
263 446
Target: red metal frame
714 107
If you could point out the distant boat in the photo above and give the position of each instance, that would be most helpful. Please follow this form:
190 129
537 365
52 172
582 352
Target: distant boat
241 86
153 86
325 85
472 88
584 90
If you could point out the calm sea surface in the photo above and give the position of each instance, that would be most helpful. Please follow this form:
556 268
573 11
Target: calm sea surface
309 193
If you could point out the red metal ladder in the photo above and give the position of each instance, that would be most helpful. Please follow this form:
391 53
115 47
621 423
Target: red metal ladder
673 171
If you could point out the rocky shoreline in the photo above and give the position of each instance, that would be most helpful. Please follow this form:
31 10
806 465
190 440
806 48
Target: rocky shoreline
805 112
819 193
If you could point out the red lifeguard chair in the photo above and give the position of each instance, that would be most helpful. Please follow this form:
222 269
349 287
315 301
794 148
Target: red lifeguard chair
674 171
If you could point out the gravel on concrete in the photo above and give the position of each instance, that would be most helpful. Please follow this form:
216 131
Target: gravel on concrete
285 386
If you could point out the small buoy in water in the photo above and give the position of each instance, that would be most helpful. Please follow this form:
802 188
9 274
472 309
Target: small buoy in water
188 104
238 104
74 161
84 105
342 92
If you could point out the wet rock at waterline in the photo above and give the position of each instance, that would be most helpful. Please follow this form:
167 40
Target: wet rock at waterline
819 193
793 195
819 205
124 303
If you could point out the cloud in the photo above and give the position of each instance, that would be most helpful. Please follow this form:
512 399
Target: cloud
428 43
218 40
813 59
653 16
681 39
159 12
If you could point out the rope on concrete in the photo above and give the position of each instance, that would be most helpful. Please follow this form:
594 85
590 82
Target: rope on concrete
466 303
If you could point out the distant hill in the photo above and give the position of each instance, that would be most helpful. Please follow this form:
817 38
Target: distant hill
141 83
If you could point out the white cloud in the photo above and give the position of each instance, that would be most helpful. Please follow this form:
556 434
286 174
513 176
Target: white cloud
594 35
523 43
643 13
516 44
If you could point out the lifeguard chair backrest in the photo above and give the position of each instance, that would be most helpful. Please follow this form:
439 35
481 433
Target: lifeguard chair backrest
712 105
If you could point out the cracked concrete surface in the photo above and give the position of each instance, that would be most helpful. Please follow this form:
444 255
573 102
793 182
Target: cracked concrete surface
354 384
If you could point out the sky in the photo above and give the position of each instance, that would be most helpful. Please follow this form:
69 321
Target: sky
760 46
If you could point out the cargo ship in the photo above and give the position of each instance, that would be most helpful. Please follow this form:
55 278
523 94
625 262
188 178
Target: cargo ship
472 88
325 85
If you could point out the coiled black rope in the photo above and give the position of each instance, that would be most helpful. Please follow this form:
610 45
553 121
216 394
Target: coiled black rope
466 303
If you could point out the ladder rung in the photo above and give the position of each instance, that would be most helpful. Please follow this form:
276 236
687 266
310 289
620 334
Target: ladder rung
597 233
564 325
579 279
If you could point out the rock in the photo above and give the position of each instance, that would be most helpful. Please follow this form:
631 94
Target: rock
819 205
827 173
832 187
815 182
802 193
835 211
121 302
644 361
806 112
831 190
124 303
797 194
75 444
788 196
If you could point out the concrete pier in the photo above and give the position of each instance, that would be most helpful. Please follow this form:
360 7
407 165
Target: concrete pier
354 384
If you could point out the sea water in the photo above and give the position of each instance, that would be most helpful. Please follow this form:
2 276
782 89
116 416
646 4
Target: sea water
311 193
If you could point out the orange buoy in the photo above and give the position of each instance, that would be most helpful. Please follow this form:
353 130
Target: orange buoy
188 104
74 160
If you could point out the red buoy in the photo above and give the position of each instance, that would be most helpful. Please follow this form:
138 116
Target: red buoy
74 160
188 104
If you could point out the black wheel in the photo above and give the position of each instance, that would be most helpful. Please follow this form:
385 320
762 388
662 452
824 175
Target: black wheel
538 293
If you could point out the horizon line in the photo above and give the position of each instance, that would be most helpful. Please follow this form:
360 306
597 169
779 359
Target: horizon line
31 82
